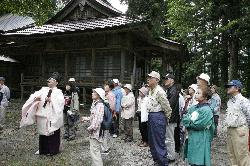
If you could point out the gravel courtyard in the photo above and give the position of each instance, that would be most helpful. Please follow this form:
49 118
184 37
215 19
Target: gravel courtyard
17 147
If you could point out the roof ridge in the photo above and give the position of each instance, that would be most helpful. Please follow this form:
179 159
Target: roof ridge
105 7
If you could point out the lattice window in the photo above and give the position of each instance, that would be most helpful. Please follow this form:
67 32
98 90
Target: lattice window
82 64
108 63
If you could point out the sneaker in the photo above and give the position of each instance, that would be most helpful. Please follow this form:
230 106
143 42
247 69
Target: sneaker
37 152
106 152
115 136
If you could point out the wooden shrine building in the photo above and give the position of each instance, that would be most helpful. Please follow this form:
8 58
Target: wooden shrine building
92 42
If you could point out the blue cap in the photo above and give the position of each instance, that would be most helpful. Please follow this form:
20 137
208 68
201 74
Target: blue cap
2 79
235 83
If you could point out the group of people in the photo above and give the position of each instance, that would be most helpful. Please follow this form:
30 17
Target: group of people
171 121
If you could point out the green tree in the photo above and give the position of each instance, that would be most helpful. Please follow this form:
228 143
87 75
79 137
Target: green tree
39 10
217 35
153 10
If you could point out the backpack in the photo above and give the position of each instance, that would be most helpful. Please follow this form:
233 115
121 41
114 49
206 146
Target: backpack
107 117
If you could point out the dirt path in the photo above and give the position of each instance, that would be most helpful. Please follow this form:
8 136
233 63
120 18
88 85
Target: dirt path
17 147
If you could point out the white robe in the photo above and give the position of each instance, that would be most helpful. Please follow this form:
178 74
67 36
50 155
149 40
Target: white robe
48 119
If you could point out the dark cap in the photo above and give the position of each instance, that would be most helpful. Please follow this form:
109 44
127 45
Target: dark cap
2 79
55 76
169 76
235 83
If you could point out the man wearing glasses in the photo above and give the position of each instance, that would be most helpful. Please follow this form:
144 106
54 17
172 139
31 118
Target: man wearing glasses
159 113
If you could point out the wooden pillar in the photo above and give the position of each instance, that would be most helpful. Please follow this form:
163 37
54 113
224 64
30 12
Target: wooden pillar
93 54
123 55
165 62
66 68
22 88
133 79
43 64
84 95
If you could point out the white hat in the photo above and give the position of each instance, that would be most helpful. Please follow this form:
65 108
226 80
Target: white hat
205 77
129 86
72 79
194 87
116 81
100 92
155 74
144 91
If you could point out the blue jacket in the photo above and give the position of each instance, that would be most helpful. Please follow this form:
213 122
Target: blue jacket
118 98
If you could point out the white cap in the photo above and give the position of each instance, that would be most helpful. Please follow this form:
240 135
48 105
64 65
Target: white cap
129 86
155 74
194 87
100 92
116 81
144 91
72 79
204 76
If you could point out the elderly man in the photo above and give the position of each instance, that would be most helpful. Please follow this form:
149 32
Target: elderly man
237 121
159 112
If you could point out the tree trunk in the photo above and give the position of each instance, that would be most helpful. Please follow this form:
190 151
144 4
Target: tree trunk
233 66
235 13
248 74
224 57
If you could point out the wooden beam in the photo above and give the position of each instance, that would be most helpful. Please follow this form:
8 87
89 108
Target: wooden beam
167 46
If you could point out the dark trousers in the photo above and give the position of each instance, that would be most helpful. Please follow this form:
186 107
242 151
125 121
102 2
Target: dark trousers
216 122
177 139
49 144
156 137
143 127
128 128
114 129
69 125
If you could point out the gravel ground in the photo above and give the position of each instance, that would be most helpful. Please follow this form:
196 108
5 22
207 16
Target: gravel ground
17 147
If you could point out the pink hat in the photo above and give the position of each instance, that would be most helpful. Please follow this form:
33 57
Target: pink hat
144 91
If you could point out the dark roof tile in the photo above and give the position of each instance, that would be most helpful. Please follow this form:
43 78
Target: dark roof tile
79 25
11 22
